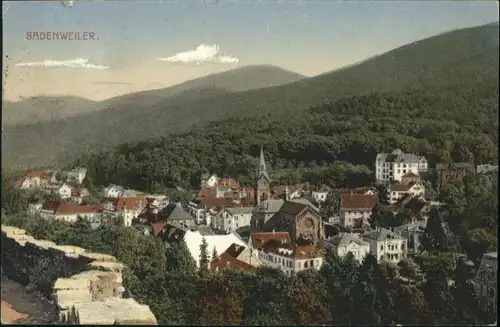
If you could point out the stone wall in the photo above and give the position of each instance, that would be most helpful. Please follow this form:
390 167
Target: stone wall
86 287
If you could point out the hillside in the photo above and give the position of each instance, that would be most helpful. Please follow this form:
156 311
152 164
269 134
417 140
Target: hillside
443 126
459 61
44 108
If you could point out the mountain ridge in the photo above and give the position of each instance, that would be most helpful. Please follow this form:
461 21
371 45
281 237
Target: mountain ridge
453 68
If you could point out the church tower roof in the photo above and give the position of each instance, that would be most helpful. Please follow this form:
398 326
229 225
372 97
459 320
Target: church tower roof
261 169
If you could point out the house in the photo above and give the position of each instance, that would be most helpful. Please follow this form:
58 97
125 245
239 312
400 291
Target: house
128 208
226 186
113 191
78 194
413 233
453 172
226 261
35 178
398 191
320 195
288 257
198 212
300 220
34 208
244 254
357 190
344 243
208 180
23 184
392 166
485 282
70 212
64 191
229 219
356 209
386 245
175 215
76 175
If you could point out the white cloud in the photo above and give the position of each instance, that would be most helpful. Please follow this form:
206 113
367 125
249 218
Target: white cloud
204 53
72 63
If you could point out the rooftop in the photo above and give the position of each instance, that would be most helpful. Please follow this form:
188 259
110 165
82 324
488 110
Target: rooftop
381 235
358 201
343 239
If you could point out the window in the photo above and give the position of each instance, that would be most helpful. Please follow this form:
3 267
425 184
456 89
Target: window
399 171
300 265
305 265
381 248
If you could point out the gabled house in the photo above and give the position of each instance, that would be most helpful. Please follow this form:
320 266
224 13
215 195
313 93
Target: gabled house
129 208
264 211
230 219
76 175
399 191
34 208
78 194
290 258
356 209
208 180
113 191
226 261
344 243
386 245
413 233
34 179
320 195
390 167
453 172
175 215
70 212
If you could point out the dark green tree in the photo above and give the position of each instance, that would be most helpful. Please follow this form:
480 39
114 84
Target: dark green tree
204 261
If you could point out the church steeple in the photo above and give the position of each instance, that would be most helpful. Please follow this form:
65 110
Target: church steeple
261 169
262 190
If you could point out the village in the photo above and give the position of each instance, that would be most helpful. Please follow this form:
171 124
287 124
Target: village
284 227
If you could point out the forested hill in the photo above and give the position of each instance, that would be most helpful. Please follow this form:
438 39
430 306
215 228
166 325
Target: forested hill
459 61
443 126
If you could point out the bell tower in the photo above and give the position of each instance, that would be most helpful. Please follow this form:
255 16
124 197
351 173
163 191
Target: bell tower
262 189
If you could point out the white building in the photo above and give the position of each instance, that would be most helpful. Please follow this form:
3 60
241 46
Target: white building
391 167
76 175
70 212
356 209
344 243
113 191
209 180
399 191
128 208
34 208
198 212
485 282
230 219
386 245
319 196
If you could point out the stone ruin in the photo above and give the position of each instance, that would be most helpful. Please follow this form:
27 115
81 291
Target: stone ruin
86 287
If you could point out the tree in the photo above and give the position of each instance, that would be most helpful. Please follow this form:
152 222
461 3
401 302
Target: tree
15 201
434 238
204 261
214 254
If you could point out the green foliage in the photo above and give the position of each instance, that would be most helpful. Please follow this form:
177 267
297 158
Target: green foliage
204 261
434 238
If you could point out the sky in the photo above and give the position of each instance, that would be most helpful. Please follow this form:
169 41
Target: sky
141 45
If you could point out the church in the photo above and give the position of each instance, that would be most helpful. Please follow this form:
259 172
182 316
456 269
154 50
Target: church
298 217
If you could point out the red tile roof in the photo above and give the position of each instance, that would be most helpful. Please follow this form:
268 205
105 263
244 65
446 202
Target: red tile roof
258 239
292 251
228 182
70 208
134 203
225 261
357 201
158 228
39 174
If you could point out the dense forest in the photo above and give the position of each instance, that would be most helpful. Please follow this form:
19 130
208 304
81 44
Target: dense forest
443 126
